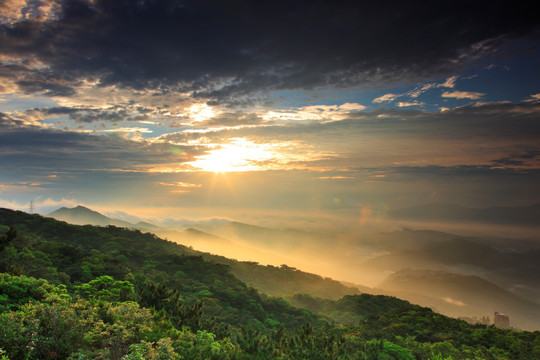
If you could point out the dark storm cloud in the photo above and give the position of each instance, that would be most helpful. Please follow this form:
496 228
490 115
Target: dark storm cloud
223 50
7 121
532 156
498 122
87 114
234 119
34 150
45 87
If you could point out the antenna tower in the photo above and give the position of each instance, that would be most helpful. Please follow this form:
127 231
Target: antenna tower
31 206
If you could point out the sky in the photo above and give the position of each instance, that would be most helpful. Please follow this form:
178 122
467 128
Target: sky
268 111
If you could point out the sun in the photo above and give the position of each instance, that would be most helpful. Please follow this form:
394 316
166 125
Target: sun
238 155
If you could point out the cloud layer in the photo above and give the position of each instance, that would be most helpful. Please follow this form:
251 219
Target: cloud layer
224 52
329 104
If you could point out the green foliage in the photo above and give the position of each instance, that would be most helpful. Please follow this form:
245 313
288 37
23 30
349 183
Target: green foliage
5 239
286 281
111 293
19 290
105 288
3 354
161 350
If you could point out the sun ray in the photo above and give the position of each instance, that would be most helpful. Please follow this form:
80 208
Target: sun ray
238 155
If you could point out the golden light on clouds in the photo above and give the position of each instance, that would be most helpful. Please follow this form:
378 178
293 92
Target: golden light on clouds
179 186
238 155
201 112
315 113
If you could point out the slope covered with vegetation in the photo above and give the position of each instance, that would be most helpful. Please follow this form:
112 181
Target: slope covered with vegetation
86 292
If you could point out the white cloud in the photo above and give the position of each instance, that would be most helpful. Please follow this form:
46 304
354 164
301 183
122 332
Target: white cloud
19 10
128 130
419 91
463 95
484 103
179 186
533 98
335 177
409 103
416 92
386 98
316 112
449 300
450 82
351 107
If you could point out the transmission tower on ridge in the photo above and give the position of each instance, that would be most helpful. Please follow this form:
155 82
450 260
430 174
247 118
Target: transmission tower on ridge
31 206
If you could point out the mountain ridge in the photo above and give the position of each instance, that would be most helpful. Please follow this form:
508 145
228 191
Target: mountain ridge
511 215
81 215
459 294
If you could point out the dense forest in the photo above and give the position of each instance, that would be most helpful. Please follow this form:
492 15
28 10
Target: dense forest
88 292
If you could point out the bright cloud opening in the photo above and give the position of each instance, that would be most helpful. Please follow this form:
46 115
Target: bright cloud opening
201 112
238 155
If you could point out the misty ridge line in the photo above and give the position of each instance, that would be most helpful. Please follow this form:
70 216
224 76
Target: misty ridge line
516 215
367 262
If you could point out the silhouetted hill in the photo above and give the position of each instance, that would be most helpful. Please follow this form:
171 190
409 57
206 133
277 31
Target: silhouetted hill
112 293
142 225
81 215
457 295
283 281
272 280
526 215
516 271
261 236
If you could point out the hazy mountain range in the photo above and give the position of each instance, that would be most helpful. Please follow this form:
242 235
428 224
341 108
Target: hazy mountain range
460 295
81 215
525 215
456 275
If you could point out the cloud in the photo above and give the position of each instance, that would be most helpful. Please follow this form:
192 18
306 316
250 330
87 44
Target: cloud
233 54
417 91
231 119
386 98
128 130
533 98
90 114
315 112
525 160
41 151
463 95
40 205
19 10
180 187
337 177
449 300
409 103
450 82
387 138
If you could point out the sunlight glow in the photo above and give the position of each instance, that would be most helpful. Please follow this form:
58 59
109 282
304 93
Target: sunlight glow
201 112
238 155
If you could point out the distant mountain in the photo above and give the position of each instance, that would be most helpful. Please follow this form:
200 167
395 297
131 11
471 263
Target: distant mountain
525 215
288 243
515 270
81 215
272 280
218 245
460 295
142 225
182 224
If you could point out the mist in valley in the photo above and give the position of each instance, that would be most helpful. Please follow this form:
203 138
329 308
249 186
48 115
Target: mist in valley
457 275
461 269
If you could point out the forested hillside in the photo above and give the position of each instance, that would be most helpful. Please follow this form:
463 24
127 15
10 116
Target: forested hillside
87 292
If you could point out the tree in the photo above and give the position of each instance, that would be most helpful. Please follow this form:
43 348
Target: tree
7 238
